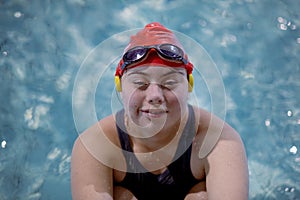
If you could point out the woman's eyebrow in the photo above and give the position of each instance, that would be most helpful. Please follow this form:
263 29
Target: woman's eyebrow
136 72
174 72
140 72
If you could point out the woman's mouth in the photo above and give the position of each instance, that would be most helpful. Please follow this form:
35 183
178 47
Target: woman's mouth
154 113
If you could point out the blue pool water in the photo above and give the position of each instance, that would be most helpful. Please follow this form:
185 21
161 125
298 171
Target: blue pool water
254 44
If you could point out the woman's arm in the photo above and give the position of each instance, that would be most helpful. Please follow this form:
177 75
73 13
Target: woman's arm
198 192
121 193
90 179
220 153
96 153
226 168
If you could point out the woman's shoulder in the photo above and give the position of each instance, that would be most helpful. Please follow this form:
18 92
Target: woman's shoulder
104 129
101 141
212 130
207 122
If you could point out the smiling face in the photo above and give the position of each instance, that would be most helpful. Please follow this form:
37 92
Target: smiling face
154 97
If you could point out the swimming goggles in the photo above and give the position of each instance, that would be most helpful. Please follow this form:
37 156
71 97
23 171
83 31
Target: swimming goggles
166 51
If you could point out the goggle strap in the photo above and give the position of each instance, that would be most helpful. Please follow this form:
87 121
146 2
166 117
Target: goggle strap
118 84
191 82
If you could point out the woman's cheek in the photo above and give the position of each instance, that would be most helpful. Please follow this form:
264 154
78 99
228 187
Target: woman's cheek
132 100
176 96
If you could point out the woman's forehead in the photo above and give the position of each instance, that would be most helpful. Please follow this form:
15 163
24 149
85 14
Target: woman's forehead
159 70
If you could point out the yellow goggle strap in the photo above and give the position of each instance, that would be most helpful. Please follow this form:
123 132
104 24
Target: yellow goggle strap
118 84
191 82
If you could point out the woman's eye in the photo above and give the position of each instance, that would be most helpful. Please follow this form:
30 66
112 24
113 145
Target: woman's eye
169 83
141 84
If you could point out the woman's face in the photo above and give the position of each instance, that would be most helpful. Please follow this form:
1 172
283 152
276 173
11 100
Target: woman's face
155 97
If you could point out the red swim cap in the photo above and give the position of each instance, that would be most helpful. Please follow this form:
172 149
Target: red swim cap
154 34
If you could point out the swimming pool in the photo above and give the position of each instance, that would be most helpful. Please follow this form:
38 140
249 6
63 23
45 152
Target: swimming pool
254 44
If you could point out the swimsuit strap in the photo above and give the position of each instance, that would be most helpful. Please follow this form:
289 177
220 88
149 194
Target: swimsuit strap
188 134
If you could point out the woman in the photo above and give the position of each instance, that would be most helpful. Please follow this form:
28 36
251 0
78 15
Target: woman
150 149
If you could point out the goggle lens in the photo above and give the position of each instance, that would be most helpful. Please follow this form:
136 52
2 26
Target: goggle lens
171 51
135 54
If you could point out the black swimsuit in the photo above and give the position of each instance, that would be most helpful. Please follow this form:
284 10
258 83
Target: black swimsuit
174 183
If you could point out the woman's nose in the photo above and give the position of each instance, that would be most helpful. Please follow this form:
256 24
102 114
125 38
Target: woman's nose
155 94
